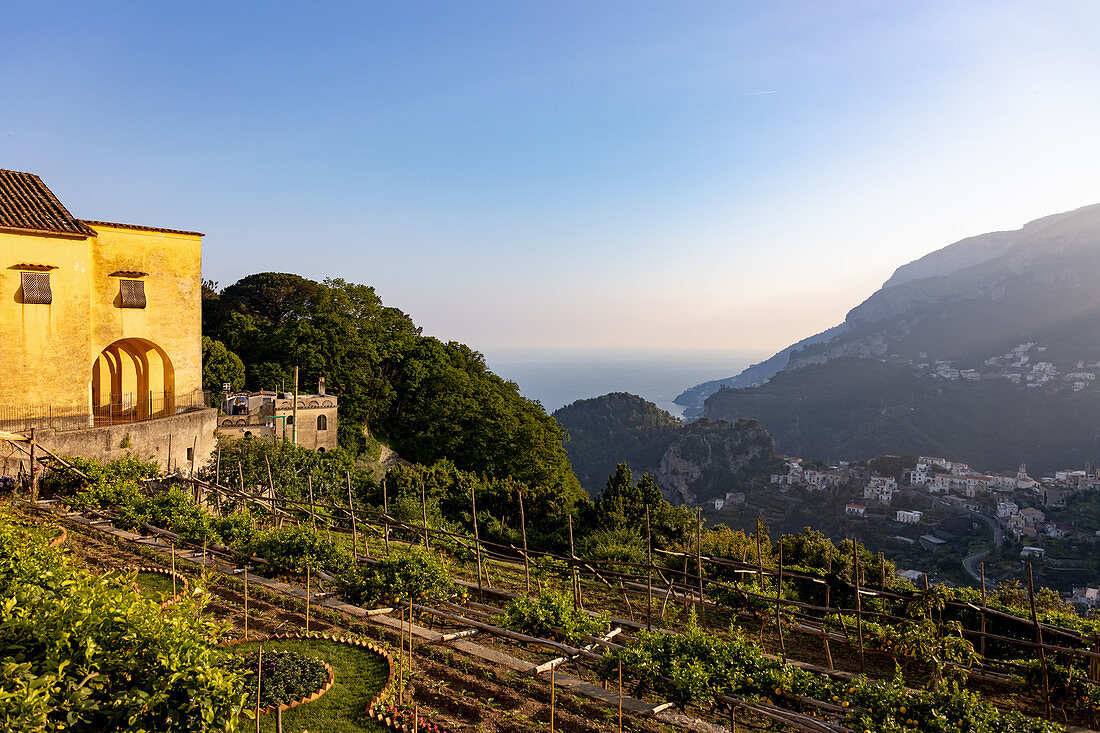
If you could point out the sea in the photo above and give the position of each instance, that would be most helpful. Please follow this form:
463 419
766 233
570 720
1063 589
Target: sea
558 378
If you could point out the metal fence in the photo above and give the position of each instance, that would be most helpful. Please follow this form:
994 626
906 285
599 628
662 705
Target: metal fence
121 408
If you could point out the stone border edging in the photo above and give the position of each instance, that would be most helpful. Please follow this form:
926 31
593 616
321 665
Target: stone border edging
165 571
60 539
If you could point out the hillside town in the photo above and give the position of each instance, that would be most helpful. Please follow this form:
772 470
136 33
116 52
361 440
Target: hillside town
1017 507
1023 364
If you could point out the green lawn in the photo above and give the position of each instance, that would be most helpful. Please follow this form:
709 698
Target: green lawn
157 586
359 675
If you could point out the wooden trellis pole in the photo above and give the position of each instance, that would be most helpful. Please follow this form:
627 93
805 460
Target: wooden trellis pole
573 567
1039 641
424 509
312 510
859 604
477 541
778 618
386 512
649 574
259 680
982 651
759 556
552 699
828 589
620 696
526 558
351 513
699 563
271 486
307 599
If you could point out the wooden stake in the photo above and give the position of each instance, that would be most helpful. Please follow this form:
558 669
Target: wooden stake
386 512
245 601
552 700
259 680
218 470
307 599
416 716
172 546
649 574
312 509
828 589
271 485
859 604
34 471
1039 641
778 619
702 614
351 513
169 450
424 509
759 556
882 570
620 696
240 473
573 567
526 558
982 650
477 539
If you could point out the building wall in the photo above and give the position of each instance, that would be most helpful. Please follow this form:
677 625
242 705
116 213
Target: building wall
41 346
47 352
148 440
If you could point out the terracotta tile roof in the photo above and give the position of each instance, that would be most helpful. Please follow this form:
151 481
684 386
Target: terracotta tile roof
26 204
94 223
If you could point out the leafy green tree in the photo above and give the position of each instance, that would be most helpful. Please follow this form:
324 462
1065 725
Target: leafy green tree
623 506
220 366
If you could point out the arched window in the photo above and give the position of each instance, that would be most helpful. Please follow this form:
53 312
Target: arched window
322 422
290 420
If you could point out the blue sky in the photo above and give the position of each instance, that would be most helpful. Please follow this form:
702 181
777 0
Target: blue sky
669 176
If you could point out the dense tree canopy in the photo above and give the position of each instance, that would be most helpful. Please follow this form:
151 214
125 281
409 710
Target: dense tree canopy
220 366
428 399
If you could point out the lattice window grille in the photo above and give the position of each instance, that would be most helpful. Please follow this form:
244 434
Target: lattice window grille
36 288
132 293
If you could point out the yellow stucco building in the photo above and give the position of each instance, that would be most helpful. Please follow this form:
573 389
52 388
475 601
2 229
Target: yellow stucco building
100 323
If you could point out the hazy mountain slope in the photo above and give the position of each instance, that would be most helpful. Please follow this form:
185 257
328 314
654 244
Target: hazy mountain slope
1038 285
848 409
691 463
978 296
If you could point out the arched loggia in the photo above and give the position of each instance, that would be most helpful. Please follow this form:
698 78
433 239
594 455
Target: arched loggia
132 379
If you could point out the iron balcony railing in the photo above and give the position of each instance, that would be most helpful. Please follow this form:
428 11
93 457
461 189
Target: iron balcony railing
121 408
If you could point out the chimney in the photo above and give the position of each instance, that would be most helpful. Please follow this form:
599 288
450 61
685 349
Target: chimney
321 386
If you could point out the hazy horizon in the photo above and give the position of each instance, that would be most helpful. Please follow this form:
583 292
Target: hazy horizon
558 378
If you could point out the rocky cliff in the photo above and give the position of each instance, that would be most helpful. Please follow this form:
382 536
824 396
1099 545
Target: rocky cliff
691 463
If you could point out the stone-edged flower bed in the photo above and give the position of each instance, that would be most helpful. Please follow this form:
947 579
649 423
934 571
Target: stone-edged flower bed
331 675
298 679
181 583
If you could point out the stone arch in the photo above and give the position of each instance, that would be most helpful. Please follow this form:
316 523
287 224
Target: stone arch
132 379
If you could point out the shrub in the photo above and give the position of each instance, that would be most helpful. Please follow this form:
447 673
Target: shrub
84 653
293 550
552 616
416 575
